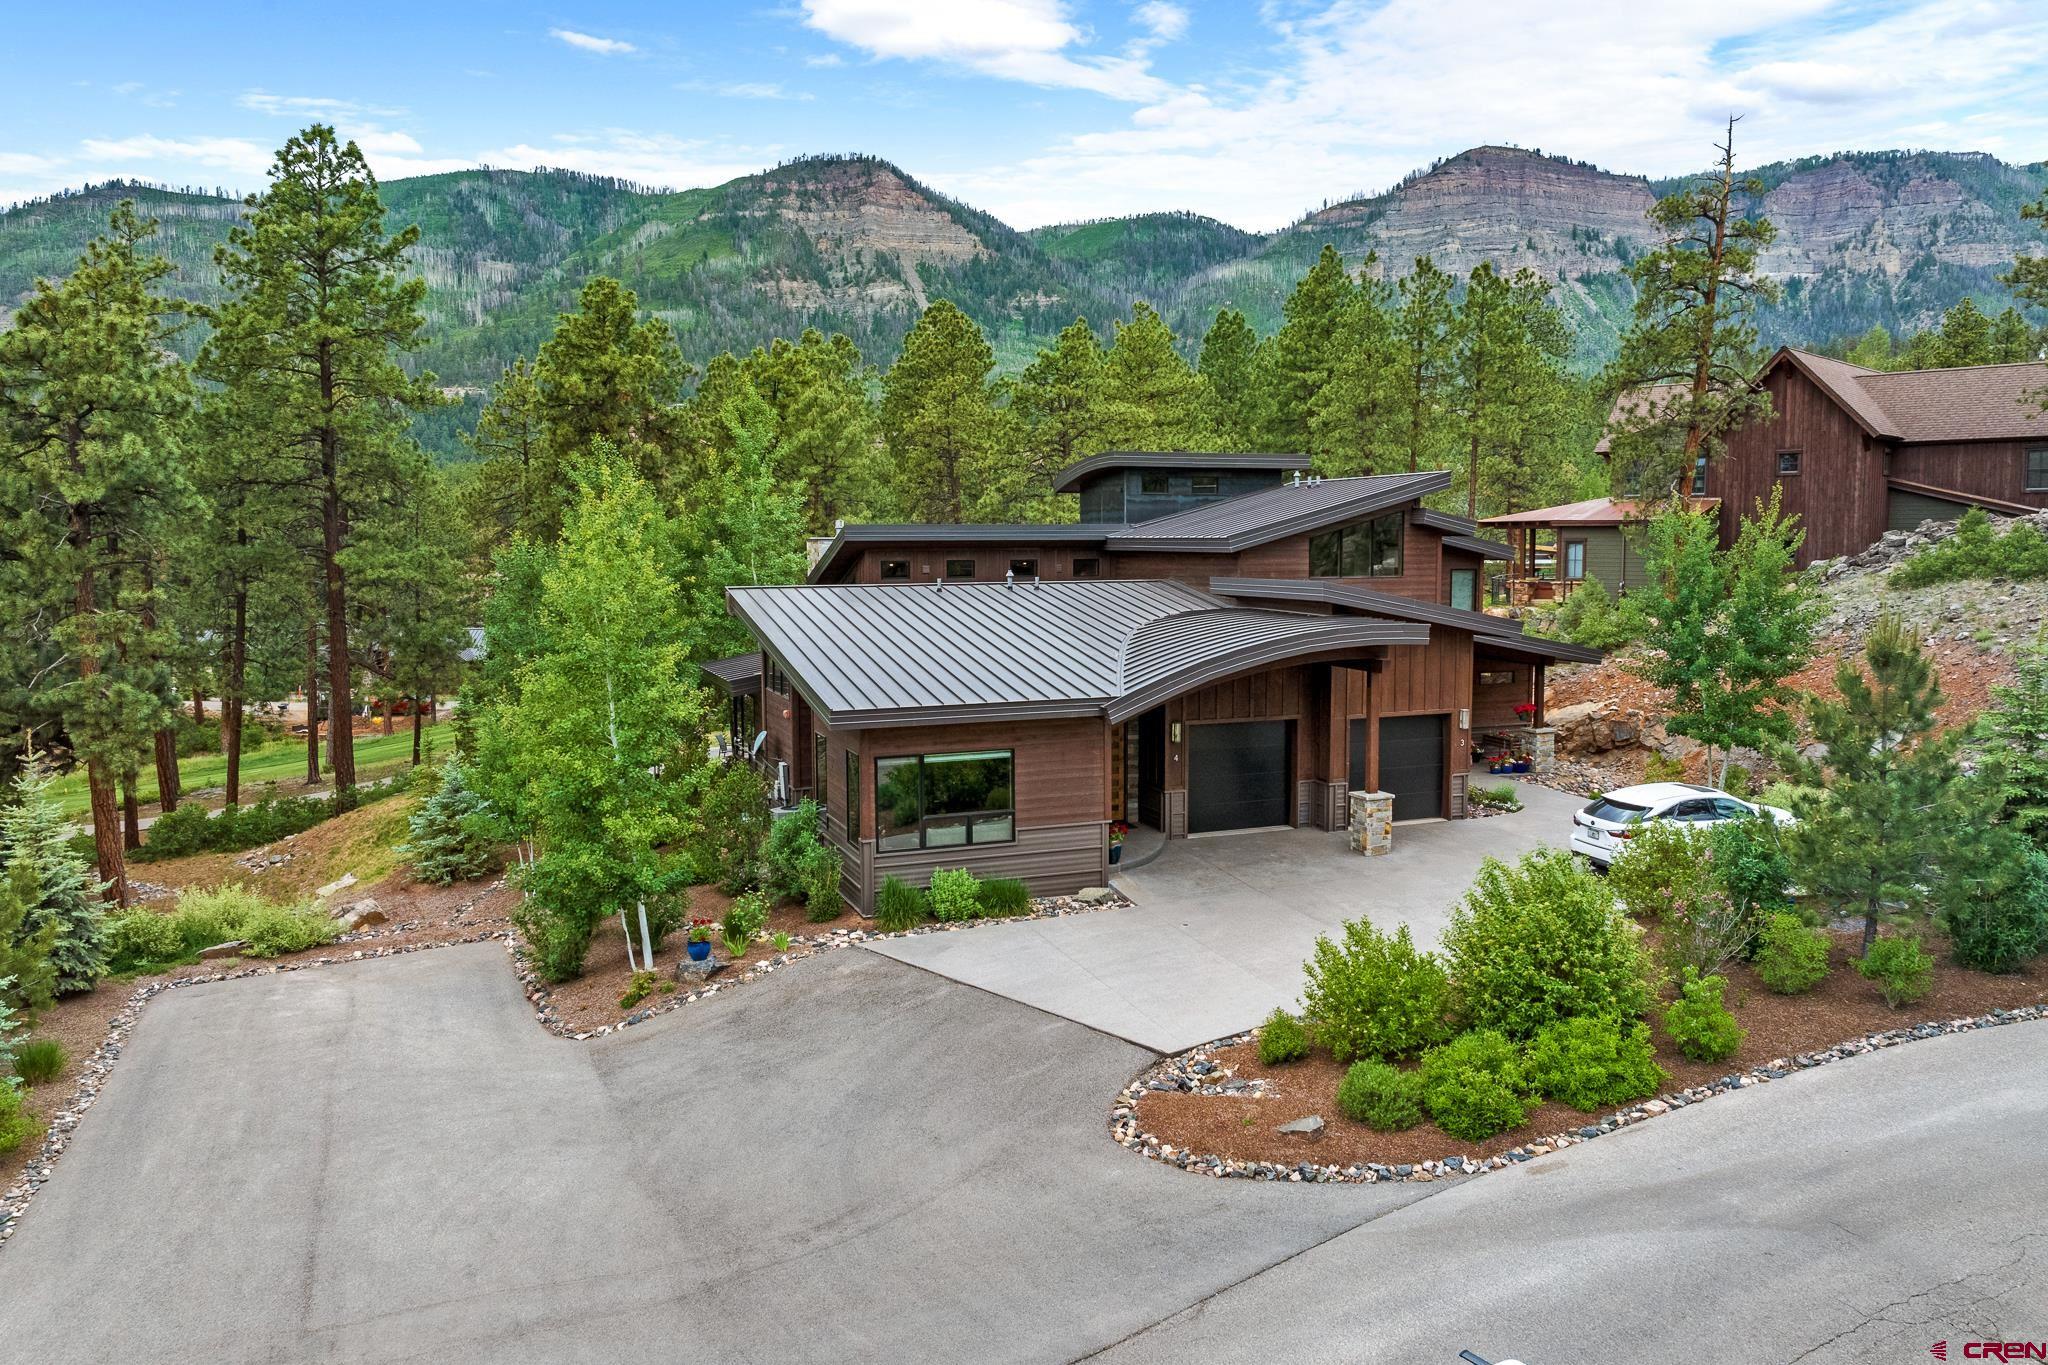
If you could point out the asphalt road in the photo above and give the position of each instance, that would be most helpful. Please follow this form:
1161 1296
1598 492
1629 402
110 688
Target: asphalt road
856 1160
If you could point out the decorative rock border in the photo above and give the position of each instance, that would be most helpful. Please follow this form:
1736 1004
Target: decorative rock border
1185 1072
801 946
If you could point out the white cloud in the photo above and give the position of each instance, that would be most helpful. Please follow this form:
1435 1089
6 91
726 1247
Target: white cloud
825 59
587 42
122 156
1163 21
746 90
651 158
1020 40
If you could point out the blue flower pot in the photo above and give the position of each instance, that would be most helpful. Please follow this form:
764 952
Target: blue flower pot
700 951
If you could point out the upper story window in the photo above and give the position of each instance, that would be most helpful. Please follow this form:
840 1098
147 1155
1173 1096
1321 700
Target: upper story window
1366 549
959 568
895 568
1465 589
1154 483
1206 485
1024 568
1699 477
776 680
1088 568
2037 469
1788 462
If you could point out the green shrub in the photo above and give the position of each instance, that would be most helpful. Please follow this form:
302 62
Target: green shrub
1699 1022
1591 617
638 988
1660 861
1750 864
791 839
1282 1039
1501 797
143 939
1996 911
1593 1063
189 829
1005 896
819 872
1381 1096
1901 968
1376 996
178 834
451 837
744 918
1977 550
556 939
40 1061
276 929
732 826
1540 941
1473 1085
954 894
1659 768
898 906
1791 959
9 1035
17 1125
779 941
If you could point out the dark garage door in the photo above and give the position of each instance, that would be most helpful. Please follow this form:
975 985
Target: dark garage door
1412 765
1237 776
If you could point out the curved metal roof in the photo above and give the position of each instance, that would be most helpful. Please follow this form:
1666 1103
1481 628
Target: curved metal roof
1066 479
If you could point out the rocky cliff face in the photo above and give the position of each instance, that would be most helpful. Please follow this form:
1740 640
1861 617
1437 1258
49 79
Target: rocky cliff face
1846 215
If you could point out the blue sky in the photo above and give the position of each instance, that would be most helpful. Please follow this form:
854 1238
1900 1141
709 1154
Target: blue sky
1037 110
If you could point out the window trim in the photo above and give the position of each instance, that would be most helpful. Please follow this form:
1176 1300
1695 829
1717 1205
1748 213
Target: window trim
1093 569
1024 568
1196 484
902 567
1564 561
969 817
2027 475
953 567
1699 476
1794 456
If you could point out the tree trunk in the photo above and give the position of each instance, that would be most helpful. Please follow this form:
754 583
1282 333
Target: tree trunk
167 792
131 815
231 695
418 723
1472 481
1869 927
198 706
333 532
386 704
111 858
313 704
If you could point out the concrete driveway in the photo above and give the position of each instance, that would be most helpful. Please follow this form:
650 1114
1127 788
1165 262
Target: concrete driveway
856 1161
1222 924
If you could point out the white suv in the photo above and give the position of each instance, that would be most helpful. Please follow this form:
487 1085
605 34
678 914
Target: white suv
1603 829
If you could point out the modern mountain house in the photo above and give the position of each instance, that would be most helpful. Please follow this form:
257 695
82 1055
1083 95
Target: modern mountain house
1221 643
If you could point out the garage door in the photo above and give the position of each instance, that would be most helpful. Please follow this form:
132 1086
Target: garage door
1237 776
1412 765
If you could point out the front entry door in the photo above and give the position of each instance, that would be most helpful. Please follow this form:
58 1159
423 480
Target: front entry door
1412 765
1237 776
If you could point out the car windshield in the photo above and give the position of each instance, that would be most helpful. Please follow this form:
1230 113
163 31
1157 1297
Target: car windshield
1616 812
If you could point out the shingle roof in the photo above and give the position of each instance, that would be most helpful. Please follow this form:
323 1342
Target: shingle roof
1631 404
898 654
1968 403
1257 518
1488 630
1064 481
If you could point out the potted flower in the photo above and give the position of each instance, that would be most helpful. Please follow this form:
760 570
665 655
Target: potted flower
1526 710
1117 830
700 939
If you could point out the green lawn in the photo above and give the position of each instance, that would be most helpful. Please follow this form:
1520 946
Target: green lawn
282 761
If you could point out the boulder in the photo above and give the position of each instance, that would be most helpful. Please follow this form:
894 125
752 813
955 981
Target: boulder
1310 1128
347 880
360 915
1093 894
218 950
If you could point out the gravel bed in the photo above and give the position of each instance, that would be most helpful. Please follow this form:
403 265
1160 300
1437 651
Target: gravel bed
1194 1072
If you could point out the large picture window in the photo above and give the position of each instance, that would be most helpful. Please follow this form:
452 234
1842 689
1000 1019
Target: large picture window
944 800
1366 549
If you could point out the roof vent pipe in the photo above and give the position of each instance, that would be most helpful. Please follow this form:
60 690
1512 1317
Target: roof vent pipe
1297 478
1009 578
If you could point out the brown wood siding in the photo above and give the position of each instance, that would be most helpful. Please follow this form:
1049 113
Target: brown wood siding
1061 776
1493 705
1987 469
1459 559
1195 570
1839 492
928 561
778 720
1436 677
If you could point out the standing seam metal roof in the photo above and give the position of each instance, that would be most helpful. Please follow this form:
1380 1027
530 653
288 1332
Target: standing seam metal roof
1257 518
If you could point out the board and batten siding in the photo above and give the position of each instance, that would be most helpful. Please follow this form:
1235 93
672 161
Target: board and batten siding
1610 557
1838 494
1986 469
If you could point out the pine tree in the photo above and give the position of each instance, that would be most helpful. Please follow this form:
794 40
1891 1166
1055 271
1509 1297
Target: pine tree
92 407
1876 807
743 526
1353 418
37 840
28 976
322 305
825 426
412 594
1965 335
1151 399
1508 383
2029 274
1693 330
1058 401
608 375
940 417
519 490
450 832
1299 356
2013 754
1229 363
2013 341
1424 354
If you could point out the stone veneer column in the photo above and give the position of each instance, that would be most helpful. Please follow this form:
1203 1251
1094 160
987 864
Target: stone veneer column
1542 750
1372 823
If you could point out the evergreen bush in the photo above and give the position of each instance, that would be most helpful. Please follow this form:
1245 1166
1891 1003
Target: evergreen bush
954 894
1699 1022
898 906
819 871
1282 1039
37 838
1375 995
1994 905
24 951
791 839
451 836
17 1125
1791 958
1901 968
1381 1096
1591 1063
1474 1086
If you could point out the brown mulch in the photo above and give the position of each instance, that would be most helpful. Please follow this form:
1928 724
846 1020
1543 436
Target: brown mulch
591 1000
1842 1007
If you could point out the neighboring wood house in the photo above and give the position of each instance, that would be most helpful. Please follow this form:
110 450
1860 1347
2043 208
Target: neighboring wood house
994 697
1558 548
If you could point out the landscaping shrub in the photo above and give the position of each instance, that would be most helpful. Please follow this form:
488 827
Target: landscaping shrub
143 939
1282 1039
28 978
1656 866
638 988
1381 1096
40 1061
898 906
451 835
819 872
9 1037
275 929
1659 768
1540 941
1592 1063
58 887
1500 797
954 894
1901 968
557 942
189 829
1791 958
1699 1022
17 1125
1376 996
1750 865
791 839
1591 616
1005 896
732 825
1996 916
1473 1085
1977 550
743 919
178 834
